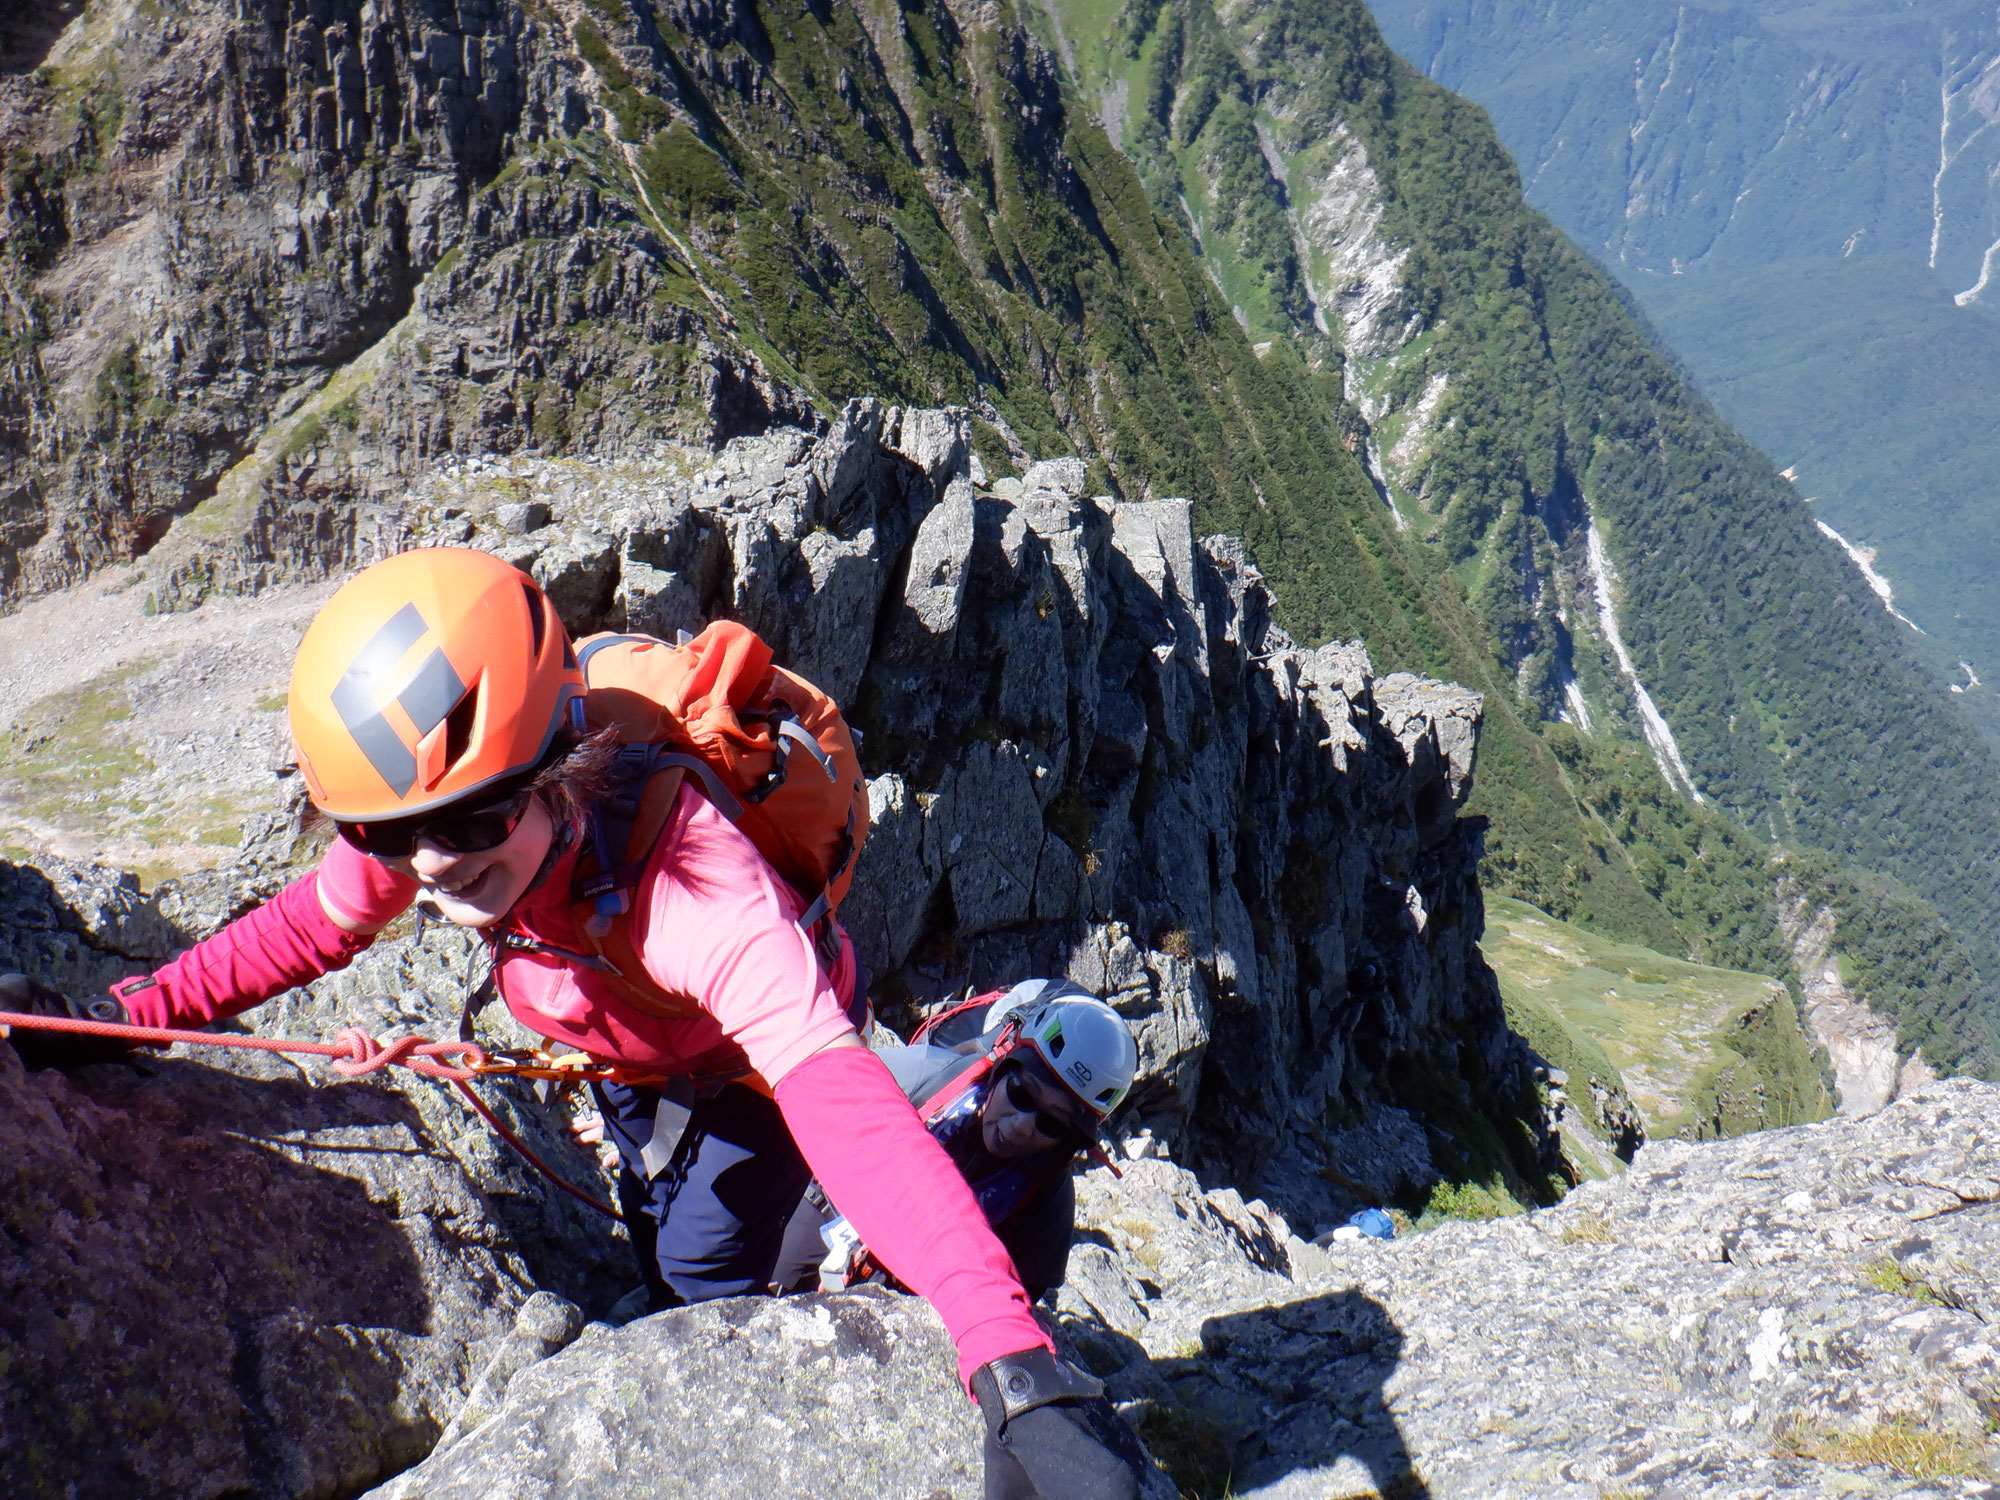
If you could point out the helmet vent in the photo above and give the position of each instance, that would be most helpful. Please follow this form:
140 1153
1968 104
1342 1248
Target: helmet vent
458 726
537 621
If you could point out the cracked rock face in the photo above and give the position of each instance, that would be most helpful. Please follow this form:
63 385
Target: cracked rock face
238 223
225 1280
1775 1316
231 1273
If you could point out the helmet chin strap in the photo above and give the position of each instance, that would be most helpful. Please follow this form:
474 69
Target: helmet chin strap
560 843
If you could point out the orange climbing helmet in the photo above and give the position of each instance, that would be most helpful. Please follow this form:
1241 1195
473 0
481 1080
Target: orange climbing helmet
429 676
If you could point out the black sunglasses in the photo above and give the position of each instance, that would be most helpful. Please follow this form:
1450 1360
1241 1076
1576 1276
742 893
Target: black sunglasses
1049 1125
455 830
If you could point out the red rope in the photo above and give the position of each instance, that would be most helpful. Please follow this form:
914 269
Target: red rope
534 1161
353 1053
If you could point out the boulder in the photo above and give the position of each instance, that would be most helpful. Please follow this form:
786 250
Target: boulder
851 1396
225 1280
233 1273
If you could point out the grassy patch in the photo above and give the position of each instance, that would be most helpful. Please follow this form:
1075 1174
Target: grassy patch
1588 1229
1701 1050
680 168
1906 1448
1885 1275
1469 1202
69 763
65 755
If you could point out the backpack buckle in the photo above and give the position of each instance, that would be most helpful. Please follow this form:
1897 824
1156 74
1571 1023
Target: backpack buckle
609 907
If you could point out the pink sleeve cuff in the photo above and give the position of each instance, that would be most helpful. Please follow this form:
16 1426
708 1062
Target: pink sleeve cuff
288 941
364 891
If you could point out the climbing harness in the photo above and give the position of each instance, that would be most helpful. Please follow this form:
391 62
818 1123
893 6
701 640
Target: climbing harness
355 1053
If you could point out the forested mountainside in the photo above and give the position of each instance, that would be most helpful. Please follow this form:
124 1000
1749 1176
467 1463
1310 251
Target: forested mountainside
1637 565
1803 197
246 304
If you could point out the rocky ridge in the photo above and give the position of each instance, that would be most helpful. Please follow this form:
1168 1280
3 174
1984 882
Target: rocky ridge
1091 753
1794 1313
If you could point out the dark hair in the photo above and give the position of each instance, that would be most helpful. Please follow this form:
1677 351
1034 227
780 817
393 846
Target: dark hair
575 775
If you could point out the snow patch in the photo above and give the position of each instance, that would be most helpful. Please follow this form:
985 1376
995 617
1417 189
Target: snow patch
1971 679
1659 738
1978 289
1863 558
1575 711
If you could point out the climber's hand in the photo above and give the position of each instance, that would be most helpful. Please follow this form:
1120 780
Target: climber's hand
588 1128
60 1049
1050 1434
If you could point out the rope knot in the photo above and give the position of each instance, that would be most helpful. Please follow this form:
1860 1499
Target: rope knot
359 1053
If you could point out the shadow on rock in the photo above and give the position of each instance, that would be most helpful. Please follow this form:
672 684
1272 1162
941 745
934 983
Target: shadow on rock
213 1283
1281 1403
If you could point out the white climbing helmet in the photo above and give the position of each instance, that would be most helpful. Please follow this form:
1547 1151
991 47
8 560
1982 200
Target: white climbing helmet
1085 1043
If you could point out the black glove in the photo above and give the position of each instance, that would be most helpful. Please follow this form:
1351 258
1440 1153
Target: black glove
61 1049
1051 1435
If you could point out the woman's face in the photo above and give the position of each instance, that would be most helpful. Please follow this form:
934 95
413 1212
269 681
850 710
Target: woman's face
477 890
1008 1131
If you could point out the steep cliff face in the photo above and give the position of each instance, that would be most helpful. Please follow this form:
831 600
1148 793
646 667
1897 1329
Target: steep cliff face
280 263
234 232
1859 1043
1091 752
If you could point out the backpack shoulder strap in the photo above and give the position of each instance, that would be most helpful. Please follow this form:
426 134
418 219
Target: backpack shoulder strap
625 826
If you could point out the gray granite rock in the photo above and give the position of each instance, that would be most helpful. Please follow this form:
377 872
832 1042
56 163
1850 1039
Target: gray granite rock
233 1273
225 1278
848 1397
1085 736
1781 1316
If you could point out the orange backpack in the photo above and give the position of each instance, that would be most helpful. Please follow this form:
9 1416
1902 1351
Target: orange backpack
769 749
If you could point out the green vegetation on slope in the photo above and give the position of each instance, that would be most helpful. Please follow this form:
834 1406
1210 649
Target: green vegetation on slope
1798 245
1703 1052
919 212
1712 876
1799 705
1885 397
